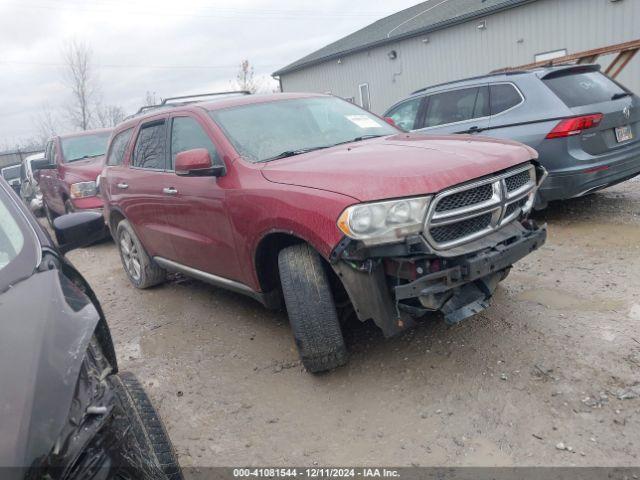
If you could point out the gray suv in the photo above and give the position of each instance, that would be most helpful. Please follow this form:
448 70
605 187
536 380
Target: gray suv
584 125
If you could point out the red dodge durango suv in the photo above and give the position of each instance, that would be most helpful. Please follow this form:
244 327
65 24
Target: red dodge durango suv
312 199
67 175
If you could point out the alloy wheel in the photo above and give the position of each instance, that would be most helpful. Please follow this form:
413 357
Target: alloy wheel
130 256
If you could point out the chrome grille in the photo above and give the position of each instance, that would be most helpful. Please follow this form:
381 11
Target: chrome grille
512 207
468 212
516 181
454 231
465 198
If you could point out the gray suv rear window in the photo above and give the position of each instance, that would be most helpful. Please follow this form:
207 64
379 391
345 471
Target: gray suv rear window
586 88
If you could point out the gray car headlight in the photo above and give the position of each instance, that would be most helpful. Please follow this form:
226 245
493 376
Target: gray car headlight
384 222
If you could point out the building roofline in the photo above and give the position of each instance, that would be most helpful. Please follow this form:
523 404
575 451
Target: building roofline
292 67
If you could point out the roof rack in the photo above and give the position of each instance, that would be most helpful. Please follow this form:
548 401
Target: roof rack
185 100
190 98
468 79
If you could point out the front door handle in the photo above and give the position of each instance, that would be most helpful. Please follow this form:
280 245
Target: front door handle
169 191
123 186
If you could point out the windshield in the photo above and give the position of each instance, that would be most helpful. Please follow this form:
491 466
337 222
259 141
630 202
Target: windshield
265 131
86 146
9 173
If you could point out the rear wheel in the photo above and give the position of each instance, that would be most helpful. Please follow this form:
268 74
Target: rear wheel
311 309
142 271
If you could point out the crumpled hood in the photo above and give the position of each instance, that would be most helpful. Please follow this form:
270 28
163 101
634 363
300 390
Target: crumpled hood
398 166
85 170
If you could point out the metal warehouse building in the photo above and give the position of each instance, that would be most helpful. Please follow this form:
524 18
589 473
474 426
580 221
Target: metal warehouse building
439 41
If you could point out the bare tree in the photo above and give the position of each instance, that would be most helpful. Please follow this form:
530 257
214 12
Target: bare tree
79 77
46 123
150 98
245 78
108 115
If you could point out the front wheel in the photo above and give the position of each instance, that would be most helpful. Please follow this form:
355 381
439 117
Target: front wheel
311 309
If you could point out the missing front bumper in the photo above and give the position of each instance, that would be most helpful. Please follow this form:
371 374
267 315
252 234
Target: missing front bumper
458 291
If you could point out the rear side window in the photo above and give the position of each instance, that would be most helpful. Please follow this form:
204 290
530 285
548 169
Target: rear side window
503 97
186 134
150 147
576 89
405 114
118 147
455 106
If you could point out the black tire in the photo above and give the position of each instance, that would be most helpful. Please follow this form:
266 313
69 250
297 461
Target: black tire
311 309
149 272
122 438
149 430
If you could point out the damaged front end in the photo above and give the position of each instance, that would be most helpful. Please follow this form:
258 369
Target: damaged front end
471 236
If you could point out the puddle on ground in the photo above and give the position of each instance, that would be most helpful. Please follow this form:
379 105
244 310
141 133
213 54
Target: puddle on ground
594 234
563 300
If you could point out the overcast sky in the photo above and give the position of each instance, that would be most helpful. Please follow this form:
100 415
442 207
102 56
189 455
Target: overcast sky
161 46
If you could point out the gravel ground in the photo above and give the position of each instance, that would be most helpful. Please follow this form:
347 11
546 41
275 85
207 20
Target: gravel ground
545 376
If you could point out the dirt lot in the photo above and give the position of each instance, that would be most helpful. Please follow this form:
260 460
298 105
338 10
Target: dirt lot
550 362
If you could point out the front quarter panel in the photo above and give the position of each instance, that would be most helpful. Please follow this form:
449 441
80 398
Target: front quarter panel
307 213
42 344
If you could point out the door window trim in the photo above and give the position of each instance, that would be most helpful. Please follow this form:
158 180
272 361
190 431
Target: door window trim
422 102
468 87
204 129
141 126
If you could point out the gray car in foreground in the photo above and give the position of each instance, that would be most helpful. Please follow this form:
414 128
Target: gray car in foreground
66 412
584 125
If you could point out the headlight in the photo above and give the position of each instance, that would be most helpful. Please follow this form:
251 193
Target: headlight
384 222
83 189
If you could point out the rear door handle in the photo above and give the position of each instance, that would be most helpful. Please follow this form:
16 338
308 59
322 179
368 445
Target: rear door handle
169 191
123 186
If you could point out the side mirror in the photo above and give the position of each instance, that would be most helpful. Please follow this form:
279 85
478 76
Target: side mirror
76 230
390 121
197 163
42 164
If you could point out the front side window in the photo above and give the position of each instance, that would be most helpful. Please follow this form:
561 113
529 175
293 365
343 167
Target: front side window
187 134
269 130
150 147
19 251
119 147
84 146
406 114
451 107
503 97
11 238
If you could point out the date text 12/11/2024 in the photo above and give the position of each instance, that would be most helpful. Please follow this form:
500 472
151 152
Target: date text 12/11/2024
317 472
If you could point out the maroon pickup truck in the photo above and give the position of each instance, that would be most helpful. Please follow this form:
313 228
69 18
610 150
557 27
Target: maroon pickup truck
67 176
311 199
